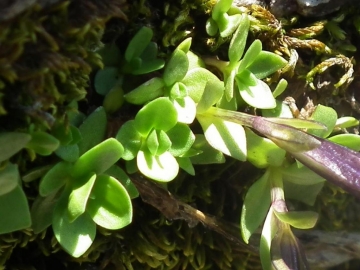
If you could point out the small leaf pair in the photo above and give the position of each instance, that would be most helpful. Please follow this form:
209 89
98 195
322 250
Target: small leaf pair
156 140
248 71
141 53
221 21
140 57
170 85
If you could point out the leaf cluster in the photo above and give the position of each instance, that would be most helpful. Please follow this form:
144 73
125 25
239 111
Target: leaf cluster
86 188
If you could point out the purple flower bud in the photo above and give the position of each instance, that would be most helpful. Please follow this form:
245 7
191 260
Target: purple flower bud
286 250
334 162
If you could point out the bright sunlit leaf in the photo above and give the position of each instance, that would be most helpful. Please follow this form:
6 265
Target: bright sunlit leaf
258 96
151 116
99 158
186 109
225 136
79 196
298 219
109 204
163 168
74 237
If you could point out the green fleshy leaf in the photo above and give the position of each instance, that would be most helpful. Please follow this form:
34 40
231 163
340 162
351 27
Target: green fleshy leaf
303 193
109 204
176 69
194 152
221 7
133 65
43 143
178 90
131 166
301 176
74 237
92 130
152 142
150 52
114 99
351 141
255 207
266 63
11 143
15 211
212 94
258 96
164 142
228 24
196 80
9 178
280 88
163 168
211 27
138 43
146 92
325 115
233 104
281 110
151 116
225 136
130 138
247 78
347 121
186 165
185 45
204 153
55 178
229 80
181 138
62 132
250 55
158 142
124 179
42 210
75 135
194 60
149 66
238 41
74 115
36 173
79 196
99 158
69 153
110 55
268 232
186 110
297 219
105 79
262 152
